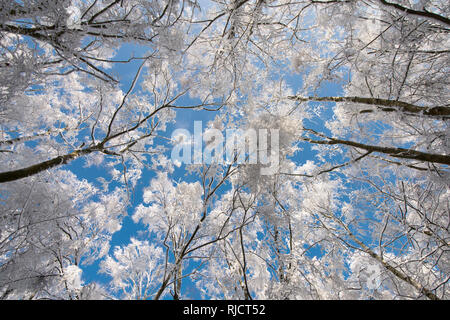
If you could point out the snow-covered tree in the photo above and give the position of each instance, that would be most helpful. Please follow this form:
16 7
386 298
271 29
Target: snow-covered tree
354 93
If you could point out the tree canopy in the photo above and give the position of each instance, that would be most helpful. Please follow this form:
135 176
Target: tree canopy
346 100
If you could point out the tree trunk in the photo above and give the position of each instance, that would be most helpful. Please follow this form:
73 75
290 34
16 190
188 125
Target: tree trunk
384 105
391 151
37 168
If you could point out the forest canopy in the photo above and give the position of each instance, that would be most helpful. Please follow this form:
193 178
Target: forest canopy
224 149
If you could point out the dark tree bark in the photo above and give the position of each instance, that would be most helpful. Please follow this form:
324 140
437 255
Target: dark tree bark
384 105
391 151
13 175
